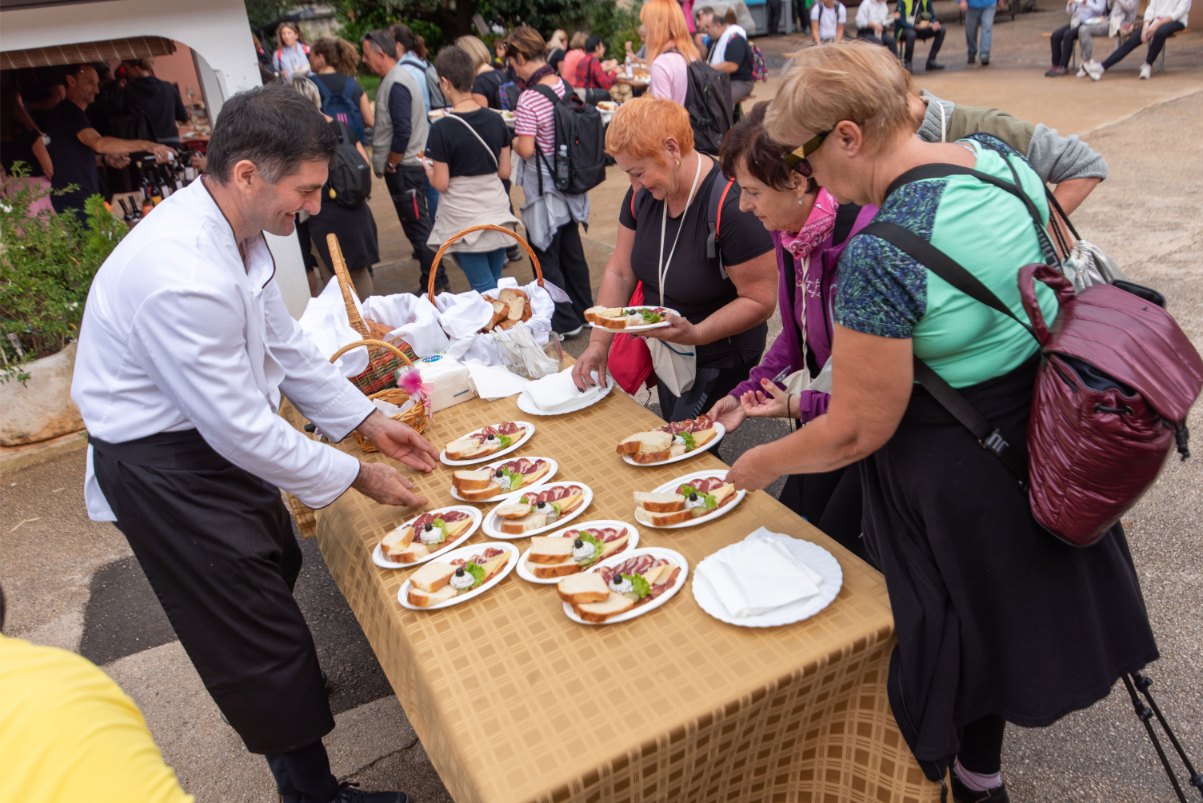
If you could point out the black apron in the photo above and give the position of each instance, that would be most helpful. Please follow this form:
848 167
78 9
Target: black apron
993 615
217 545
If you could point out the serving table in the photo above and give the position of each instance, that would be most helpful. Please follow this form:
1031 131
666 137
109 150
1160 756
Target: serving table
515 702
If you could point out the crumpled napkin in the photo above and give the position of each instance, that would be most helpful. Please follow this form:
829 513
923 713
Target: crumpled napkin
558 390
758 574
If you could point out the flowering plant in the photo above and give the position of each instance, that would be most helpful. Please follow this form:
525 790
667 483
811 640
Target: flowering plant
47 263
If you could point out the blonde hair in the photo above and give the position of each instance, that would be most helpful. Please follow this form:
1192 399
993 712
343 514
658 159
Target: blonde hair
641 126
664 29
855 81
307 89
475 48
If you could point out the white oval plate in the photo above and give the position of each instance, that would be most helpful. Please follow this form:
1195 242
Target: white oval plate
639 610
491 520
526 425
643 327
468 551
672 486
587 399
510 494
384 563
705 448
526 574
812 555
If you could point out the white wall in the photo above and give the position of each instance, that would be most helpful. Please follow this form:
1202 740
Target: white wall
219 32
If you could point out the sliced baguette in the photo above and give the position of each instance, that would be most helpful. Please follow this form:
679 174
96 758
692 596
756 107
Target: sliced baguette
481 495
607 609
660 502
665 519
514 510
412 553
546 571
544 549
606 317
424 599
646 443
432 576
465 480
466 449
397 541
579 589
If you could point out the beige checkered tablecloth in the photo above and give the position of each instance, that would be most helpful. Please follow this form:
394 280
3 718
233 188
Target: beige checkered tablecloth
514 702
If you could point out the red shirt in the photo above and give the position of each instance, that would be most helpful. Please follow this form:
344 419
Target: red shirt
590 75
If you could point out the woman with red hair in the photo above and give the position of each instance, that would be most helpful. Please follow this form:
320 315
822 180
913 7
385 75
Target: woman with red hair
670 48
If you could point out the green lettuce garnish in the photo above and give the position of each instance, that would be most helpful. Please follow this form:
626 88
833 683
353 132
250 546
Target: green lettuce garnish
707 499
651 316
505 440
686 490
639 585
477 571
597 544
441 526
690 443
711 502
513 478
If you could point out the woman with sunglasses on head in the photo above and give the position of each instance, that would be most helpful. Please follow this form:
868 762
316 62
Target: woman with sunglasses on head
809 231
683 234
997 621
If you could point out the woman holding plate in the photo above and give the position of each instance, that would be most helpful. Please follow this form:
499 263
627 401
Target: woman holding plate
683 235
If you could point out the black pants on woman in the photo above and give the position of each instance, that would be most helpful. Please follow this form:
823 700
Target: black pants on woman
1156 43
830 501
564 265
1062 43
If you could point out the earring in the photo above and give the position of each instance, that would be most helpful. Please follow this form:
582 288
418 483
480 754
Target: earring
802 200
678 163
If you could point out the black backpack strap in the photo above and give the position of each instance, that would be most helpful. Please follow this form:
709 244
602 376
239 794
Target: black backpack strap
551 95
714 220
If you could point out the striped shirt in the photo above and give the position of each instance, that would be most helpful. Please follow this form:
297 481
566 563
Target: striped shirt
535 116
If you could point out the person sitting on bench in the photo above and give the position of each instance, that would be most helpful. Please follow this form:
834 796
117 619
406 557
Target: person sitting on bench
1163 19
916 19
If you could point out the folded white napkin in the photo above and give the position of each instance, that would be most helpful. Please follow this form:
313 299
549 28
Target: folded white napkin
557 390
495 382
758 574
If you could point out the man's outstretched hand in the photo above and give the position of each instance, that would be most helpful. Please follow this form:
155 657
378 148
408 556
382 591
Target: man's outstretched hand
399 441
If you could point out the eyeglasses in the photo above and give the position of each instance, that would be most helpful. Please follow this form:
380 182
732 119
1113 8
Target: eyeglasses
798 159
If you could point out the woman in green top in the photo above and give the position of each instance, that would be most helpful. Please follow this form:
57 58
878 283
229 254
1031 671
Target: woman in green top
997 621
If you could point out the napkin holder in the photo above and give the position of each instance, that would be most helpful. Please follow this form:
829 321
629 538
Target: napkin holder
447 380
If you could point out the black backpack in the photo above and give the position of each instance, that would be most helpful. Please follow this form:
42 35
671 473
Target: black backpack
341 105
708 101
350 180
579 161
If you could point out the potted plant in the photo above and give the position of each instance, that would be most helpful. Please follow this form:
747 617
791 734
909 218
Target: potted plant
47 263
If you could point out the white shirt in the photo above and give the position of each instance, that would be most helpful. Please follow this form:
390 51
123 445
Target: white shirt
829 19
180 333
872 12
1175 10
718 53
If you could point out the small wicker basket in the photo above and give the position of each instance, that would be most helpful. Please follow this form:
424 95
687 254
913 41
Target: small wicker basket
416 416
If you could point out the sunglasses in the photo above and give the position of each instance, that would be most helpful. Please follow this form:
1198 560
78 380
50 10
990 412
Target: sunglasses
797 159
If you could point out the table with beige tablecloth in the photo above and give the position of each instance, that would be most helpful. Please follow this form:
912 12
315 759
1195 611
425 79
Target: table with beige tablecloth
514 702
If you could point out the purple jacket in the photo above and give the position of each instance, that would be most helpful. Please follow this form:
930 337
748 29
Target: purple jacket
785 355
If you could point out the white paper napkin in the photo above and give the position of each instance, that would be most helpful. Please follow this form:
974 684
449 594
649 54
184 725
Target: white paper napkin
557 390
757 575
494 382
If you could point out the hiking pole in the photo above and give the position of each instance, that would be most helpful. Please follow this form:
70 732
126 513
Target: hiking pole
1145 713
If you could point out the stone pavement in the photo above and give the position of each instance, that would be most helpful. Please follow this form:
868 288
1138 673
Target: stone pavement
72 583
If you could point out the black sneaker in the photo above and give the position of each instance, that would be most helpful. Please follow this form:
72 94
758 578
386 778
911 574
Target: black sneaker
973 58
351 793
985 61
934 66
963 794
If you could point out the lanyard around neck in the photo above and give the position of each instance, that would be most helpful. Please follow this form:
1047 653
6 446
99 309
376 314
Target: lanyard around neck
664 263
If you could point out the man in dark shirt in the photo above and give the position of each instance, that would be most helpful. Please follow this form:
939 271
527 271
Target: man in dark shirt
75 144
159 100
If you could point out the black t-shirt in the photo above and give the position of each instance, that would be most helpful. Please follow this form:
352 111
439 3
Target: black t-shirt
161 103
451 142
20 149
739 52
488 84
74 162
694 284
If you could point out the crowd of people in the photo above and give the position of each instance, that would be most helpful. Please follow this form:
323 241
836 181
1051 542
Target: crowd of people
773 221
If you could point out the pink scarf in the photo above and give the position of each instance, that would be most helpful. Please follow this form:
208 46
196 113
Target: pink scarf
816 230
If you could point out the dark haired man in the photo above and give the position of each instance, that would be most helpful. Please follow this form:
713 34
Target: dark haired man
398 142
159 100
75 143
184 351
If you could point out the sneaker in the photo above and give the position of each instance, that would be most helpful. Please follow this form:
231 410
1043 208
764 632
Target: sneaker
513 254
1054 72
572 332
933 66
1095 70
1081 72
963 794
972 58
351 793
985 61
1146 72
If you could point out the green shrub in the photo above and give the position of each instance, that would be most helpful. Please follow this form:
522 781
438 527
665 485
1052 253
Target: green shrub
46 267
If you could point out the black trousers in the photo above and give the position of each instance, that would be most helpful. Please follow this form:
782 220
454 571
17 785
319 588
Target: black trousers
981 745
911 34
1062 42
564 265
710 385
802 15
1156 43
774 16
885 38
407 188
830 501
216 544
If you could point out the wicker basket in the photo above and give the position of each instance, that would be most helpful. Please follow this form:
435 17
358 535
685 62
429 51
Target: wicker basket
383 364
438 257
416 417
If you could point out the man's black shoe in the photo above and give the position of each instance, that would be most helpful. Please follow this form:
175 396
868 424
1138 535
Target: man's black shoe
933 66
985 61
351 793
973 58
963 794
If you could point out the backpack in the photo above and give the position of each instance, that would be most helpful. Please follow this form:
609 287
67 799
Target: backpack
760 70
341 106
708 101
579 161
1116 380
350 181
437 100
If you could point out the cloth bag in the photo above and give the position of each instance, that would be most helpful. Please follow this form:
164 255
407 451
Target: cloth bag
630 361
675 365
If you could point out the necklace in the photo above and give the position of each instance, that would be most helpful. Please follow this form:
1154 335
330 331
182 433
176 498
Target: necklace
663 267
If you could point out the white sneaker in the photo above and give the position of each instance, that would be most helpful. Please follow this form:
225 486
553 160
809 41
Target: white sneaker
1081 71
1146 72
1094 70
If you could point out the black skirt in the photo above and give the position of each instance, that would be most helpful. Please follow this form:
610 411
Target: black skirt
993 614
356 232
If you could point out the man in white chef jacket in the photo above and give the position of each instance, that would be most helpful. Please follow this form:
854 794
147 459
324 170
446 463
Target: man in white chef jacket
185 349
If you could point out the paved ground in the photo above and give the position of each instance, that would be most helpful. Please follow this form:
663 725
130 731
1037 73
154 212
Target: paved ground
73 583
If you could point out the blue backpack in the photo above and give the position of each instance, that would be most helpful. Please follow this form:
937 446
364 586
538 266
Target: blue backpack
341 106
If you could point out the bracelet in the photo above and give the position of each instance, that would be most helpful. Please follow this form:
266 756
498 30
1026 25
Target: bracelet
788 398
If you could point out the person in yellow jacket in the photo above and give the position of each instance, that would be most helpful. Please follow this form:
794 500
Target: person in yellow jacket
69 733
